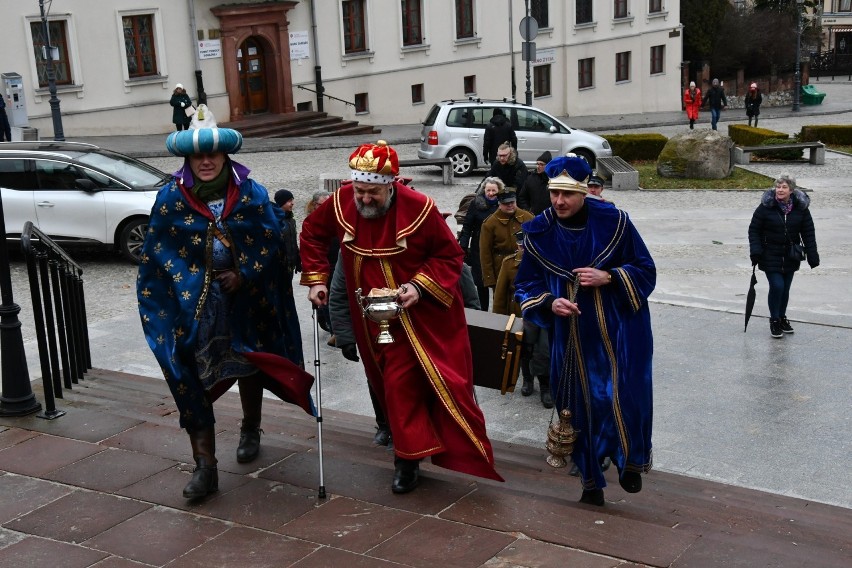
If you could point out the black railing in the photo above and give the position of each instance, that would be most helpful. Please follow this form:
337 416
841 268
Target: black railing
327 96
59 311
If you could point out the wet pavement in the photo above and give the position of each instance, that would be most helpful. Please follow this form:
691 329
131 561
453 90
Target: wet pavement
747 428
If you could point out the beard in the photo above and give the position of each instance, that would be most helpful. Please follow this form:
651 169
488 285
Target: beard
372 211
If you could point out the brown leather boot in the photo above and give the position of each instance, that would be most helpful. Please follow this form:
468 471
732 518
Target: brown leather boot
205 477
251 397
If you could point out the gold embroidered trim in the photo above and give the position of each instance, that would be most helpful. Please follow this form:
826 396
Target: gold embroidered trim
437 291
533 302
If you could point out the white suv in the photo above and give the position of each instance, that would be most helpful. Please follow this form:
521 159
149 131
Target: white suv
456 130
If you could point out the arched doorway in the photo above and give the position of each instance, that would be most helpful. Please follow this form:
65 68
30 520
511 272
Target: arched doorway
251 64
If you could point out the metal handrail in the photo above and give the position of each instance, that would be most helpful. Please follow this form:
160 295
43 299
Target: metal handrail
59 311
329 96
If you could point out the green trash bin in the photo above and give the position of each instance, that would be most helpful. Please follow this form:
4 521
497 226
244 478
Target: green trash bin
810 95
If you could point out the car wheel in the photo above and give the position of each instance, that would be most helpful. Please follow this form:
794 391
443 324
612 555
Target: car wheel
589 156
463 162
132 237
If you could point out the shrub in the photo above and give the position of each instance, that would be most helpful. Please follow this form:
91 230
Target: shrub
779 154
744 135
636 147
827 134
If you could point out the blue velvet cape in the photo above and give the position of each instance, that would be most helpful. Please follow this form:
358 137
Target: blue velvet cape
174 280
606 351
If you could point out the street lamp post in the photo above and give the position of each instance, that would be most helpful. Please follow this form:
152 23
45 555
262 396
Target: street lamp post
58 133
797 83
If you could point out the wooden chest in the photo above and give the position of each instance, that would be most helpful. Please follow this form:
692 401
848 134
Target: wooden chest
495 342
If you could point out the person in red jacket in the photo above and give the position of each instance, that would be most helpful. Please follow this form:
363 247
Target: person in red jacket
692 103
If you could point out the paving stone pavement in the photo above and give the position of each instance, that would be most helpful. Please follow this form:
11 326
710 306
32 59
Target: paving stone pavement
738 408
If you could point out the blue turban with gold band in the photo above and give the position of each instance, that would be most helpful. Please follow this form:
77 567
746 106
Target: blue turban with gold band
204 136
568 173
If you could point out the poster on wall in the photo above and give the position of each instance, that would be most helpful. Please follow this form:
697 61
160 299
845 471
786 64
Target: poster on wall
299 47
210 49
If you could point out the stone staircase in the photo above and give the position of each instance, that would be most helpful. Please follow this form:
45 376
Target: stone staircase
303 123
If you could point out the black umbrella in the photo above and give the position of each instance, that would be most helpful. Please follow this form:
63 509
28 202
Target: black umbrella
750 298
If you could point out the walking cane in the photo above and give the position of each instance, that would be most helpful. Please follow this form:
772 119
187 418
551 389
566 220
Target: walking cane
321 492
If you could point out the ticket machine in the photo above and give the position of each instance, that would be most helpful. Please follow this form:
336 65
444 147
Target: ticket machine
16 104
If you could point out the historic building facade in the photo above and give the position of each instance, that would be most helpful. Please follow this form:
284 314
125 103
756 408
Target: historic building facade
380 61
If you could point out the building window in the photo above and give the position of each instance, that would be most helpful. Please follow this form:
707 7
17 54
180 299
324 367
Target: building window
622 66
412 22
845 6
655 6
470 85
417 93
658 55
139 45
538 10
464 19
541 81
362 103
584 11
586 73
59 39
354 34
620 8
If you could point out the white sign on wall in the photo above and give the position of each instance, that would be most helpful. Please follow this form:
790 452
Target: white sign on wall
544 56
210 49
299 47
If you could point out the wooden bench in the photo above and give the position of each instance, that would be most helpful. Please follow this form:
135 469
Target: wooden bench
446 165
742 154
619 172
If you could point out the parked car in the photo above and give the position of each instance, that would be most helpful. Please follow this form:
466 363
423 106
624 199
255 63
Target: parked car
456 130
78 193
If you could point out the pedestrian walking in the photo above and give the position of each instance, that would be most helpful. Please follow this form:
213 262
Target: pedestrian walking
207 290
716 100
781 234
753 100
394 237
692 102
497 131
586 276
182 108
479 209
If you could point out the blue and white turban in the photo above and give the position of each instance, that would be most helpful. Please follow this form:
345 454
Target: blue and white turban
204 137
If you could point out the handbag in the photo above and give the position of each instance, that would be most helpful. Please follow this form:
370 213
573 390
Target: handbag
796 253
189 111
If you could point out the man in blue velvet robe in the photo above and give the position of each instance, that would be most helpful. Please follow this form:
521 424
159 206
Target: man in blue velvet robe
586 276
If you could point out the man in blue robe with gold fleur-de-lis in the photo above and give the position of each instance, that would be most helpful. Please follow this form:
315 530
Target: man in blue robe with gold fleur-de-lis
212 309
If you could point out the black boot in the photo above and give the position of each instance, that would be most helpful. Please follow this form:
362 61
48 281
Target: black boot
529 384
251 397
755 122
383 434
544 385
406 476
205 477
630 481
691 124
749 121
593 497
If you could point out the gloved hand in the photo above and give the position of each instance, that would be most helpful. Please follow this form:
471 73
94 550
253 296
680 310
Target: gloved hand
813 260
350 352
755 258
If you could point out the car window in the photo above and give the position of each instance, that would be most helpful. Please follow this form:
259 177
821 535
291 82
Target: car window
480 116
14 175
531 120
128 170
432 116
458 117
102 181
54 175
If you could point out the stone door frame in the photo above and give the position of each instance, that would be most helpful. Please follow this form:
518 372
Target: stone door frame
268 24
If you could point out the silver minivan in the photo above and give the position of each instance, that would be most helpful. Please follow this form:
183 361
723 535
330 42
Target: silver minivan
456 130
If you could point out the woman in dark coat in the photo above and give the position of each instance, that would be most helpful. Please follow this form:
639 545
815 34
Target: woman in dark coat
180 101
781 220
480 209
753 99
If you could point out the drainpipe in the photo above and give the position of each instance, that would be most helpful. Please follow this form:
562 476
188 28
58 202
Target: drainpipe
199 82
317 68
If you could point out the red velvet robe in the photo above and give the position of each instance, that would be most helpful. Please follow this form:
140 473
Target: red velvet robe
424 379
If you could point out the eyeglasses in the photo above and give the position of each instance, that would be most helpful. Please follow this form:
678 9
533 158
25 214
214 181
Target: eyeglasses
499 155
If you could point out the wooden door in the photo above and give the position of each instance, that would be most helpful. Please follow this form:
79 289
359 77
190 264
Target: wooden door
251 65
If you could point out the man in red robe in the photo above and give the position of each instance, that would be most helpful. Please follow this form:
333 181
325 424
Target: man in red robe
394 237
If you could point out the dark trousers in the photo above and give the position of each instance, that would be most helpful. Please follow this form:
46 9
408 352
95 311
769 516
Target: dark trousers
5 129
779 293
